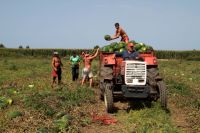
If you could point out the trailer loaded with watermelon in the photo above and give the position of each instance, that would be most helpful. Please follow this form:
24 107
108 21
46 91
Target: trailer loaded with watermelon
130 79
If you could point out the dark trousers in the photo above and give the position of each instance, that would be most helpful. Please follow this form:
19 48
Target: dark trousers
75 72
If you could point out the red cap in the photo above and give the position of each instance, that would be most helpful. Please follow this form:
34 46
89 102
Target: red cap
130 44
86 55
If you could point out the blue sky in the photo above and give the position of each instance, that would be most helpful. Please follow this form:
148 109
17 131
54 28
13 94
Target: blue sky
163 24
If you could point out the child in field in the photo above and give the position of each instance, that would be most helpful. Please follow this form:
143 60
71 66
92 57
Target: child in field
56 65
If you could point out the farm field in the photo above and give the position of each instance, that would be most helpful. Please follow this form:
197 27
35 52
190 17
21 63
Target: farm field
70 107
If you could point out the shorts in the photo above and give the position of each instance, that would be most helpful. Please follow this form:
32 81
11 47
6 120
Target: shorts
125 39
57 73
87 73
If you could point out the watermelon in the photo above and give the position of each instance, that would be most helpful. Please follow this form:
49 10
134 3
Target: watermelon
116 47
149 48
122 50
111 49
143 48
113 44
107 37
132 41
142 44
122 44
137 46
105 48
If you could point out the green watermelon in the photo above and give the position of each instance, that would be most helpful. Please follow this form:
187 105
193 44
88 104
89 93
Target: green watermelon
107 37
113 44
116 47
137 46
122 44
142 44
111 49
144 48
149 48
105 48
132 41
121 50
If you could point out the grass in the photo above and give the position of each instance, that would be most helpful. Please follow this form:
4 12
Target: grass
66 108
146 119
41 103
182 79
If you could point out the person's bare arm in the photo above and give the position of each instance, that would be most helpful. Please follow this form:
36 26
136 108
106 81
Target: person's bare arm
93 56
116 35
52 63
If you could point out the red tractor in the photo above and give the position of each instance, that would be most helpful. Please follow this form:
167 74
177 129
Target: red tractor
130 79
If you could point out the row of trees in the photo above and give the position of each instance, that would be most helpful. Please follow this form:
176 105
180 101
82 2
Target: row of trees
20 46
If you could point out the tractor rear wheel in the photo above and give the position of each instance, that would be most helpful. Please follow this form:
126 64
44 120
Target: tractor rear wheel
108 98
163 93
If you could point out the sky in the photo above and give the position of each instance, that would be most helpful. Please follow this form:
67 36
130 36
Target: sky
163 24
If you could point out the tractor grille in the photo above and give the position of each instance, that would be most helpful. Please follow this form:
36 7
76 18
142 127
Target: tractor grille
135 73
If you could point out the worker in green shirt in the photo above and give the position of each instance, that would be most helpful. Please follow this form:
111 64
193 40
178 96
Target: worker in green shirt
75 62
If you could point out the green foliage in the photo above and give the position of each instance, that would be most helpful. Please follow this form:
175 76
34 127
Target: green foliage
187 55
4 102
12 67
161 54
42 130
20 47
39 52
85 121
14 114
180 88
63 123
197 103
27 47
96 47
1 45
148 120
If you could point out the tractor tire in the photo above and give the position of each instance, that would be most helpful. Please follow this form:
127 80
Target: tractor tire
163 94
152 73
108 97
106 73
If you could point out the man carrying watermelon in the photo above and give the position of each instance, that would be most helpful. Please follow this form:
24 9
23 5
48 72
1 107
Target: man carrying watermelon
87 72
120 32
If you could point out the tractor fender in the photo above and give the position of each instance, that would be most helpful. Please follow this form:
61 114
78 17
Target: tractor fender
158 78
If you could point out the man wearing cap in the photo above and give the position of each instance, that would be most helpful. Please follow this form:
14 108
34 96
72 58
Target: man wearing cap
87 72
120 32
56 65
129 54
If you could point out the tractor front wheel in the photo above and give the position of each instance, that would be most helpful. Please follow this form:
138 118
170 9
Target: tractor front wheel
108 98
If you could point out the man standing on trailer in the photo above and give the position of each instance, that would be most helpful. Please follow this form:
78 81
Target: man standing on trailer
120 32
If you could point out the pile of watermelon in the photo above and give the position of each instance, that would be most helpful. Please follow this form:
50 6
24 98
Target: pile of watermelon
114 46
121 46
